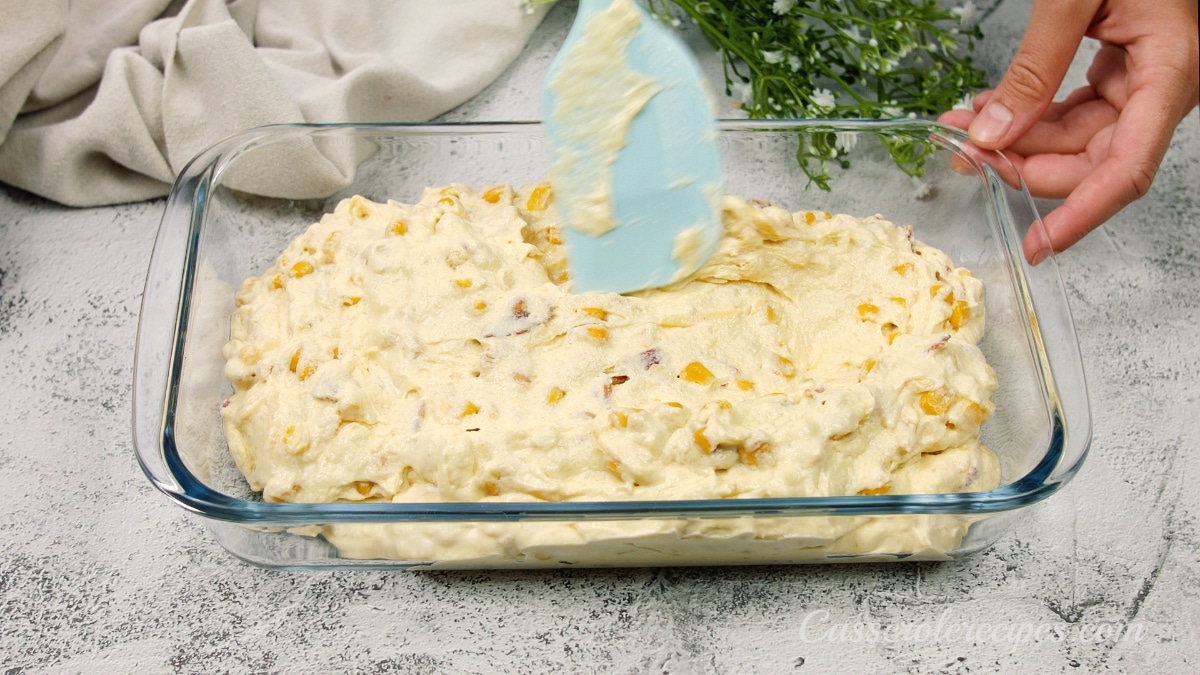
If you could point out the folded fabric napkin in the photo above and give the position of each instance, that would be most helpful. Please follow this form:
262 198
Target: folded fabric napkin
104 102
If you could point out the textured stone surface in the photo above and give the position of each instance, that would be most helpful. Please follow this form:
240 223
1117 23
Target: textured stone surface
99 572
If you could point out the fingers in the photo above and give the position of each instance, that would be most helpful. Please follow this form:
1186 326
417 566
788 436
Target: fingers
1107 75
1099 197
956 118
1054 111
1065 128
1056 176
1134 151
1071 133
1055 156
1056 27
1073 100
1100 149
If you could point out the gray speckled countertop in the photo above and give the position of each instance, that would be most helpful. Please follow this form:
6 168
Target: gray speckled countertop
98 572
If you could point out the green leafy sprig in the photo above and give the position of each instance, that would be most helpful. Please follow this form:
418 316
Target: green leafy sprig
841 59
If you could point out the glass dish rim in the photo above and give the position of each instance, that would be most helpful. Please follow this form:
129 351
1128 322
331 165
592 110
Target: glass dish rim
160 458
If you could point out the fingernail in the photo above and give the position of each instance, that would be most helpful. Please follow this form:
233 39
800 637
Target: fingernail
991 123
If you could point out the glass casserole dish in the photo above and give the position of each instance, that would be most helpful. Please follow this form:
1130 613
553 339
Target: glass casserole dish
219 228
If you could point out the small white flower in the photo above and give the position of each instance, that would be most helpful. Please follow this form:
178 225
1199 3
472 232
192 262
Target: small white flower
891 111
782 7
793 62
675 22
921 189
967 102
845 140
823 98
966 13
742 92
873 42
773 57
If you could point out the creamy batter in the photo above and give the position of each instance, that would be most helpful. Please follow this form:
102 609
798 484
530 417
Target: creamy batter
598 94
434 353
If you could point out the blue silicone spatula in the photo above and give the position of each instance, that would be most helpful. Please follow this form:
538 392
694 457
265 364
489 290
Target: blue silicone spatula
635 165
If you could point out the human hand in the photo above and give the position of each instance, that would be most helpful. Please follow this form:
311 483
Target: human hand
1101 146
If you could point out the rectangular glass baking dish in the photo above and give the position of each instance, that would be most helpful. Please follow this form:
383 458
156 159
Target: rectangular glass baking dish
238 204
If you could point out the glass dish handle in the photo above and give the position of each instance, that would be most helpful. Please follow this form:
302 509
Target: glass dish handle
1053 329
1044 296
153 358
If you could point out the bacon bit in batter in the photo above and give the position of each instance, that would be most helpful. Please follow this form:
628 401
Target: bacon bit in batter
651 357
971 475
940 344
419 417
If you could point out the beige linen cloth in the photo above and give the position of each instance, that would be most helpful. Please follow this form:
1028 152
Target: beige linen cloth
104 101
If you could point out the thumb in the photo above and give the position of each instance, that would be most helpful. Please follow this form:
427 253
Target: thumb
1056 27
